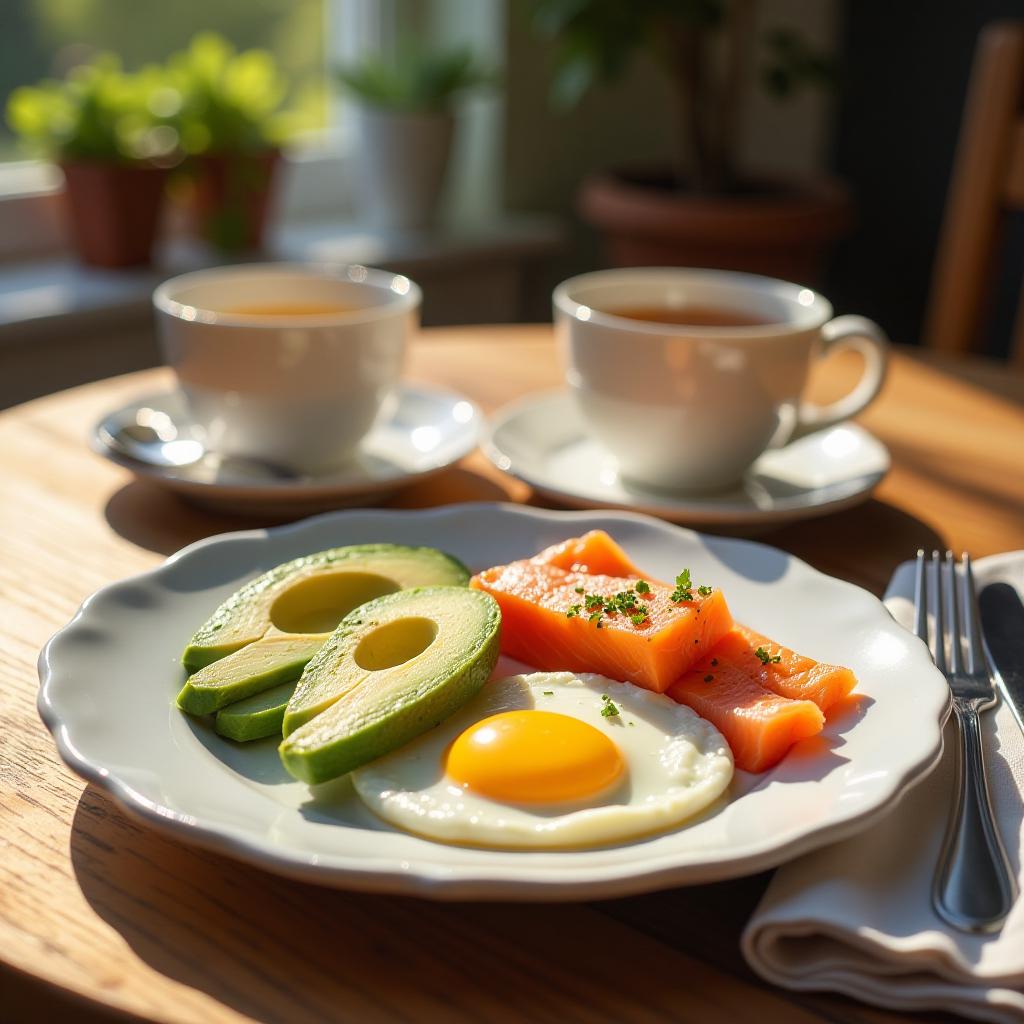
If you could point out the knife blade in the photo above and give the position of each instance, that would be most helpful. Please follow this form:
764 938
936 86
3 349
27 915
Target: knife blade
1002 622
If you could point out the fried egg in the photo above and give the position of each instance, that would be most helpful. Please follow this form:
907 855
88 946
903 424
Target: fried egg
552 759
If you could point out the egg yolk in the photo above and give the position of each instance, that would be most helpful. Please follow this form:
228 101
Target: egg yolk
533 757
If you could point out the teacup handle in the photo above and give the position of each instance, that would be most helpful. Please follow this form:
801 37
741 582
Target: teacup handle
864 335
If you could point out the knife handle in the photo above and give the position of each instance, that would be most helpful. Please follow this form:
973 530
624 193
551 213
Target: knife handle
974 886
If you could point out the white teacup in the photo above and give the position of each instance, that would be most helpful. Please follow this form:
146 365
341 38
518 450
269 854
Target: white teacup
690 408
287 363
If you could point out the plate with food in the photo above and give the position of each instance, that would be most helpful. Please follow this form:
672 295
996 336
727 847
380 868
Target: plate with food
494 702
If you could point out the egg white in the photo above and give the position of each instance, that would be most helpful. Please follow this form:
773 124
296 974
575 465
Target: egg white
676 765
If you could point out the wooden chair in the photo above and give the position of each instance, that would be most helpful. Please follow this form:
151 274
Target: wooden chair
987 183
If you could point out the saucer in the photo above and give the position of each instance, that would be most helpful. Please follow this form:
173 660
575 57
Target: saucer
429 430
543 441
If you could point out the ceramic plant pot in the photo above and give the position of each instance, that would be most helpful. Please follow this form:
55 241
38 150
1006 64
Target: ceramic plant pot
401 159
779 229
114 211
232 197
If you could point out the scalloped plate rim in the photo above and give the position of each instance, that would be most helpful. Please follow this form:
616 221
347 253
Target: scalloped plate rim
400 877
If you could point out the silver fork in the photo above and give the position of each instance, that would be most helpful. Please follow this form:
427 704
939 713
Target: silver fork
974 887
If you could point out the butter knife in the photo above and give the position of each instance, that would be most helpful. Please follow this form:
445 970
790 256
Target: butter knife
1002 623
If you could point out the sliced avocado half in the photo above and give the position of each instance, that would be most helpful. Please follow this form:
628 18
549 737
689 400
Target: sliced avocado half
257 667
313 593
391 670
255 717
267 631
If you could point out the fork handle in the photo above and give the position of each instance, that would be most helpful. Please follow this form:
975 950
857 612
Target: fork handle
974 886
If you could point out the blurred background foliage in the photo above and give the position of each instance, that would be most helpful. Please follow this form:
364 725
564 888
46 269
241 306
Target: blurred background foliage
417 79
46 38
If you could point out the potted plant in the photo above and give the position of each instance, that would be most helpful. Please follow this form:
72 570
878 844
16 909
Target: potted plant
112 134
405 122
703 209
231 125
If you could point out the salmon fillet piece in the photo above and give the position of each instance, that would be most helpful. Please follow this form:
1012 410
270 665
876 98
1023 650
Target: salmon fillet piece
759 726
762 707
594 553
793 675
545 622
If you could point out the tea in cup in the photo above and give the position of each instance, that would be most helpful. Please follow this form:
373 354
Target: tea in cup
287 363
687 376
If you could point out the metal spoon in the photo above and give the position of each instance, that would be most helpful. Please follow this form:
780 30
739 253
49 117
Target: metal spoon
151 437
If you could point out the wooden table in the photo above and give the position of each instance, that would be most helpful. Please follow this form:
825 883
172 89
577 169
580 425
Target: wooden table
99 914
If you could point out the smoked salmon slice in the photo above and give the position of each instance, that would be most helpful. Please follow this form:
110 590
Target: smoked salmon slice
792 675
759 726
784 671
553 619
762 697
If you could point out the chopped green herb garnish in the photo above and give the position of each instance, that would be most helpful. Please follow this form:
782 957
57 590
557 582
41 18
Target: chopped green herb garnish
643 587
549 693
684 587
573 611
765 658
593 601
595 616
579 590
608 709
639 619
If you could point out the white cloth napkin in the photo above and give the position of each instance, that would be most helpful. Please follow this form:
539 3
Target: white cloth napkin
856 917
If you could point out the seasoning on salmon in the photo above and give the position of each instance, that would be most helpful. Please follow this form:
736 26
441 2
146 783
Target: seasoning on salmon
759 726
555 619
783 671
762 696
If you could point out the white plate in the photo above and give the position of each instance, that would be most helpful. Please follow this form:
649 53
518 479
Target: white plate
542 440
428 430
109 679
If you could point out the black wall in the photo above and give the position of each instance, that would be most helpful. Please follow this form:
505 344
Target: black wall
905 72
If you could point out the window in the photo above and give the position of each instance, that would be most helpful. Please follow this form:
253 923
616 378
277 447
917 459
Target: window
44 38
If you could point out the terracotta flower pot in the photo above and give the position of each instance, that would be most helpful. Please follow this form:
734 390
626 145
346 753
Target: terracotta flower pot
775 228
115 209
232 197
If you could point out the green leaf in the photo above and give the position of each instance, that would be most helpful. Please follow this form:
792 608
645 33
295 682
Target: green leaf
417 79
98 112
792 64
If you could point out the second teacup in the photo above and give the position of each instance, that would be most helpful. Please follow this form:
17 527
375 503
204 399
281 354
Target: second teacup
287 363
687 376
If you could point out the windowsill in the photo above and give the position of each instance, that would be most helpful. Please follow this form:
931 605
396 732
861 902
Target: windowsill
57 295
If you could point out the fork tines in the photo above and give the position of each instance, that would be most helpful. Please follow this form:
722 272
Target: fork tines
956 643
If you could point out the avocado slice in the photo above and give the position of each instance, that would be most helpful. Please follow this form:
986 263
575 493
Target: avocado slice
257 716
313 593
391 670
260 665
